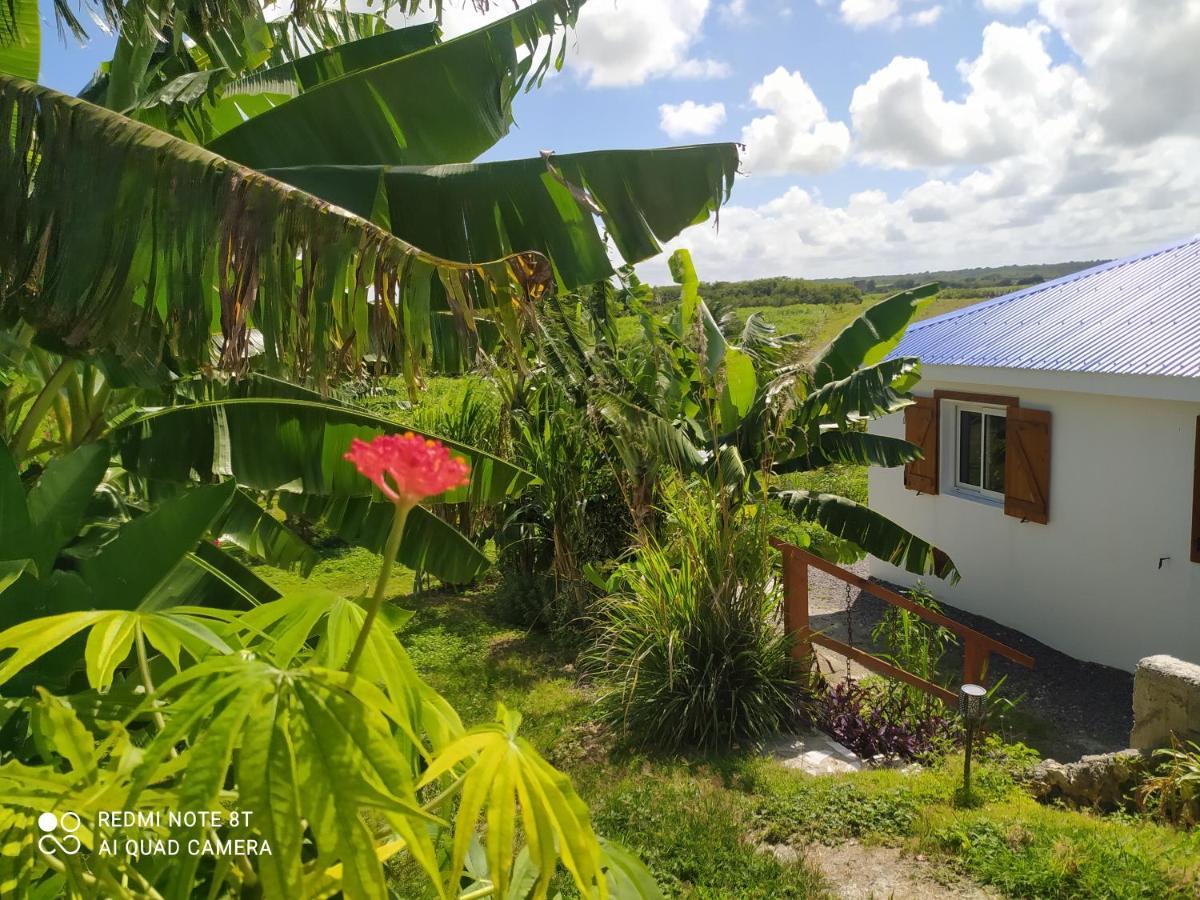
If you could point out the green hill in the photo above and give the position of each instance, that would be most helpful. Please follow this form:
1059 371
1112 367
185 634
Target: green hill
994 276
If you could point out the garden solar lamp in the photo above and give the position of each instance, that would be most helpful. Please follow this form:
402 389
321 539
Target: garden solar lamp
970 707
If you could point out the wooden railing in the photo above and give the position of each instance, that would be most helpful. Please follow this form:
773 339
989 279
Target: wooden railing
976 646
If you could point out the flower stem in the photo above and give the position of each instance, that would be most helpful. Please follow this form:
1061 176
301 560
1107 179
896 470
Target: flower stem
391 548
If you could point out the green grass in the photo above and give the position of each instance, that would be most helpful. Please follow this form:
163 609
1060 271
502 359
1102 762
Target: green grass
818 324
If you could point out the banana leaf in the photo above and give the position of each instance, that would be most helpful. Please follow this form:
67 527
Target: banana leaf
204 116
870 337
859 448
429 544
448 103
116 237
481 211
281 444
293 38
874 533
20 38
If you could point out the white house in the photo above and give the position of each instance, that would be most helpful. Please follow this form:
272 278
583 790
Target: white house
1061 433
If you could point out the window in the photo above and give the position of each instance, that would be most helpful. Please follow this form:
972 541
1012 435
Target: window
979 444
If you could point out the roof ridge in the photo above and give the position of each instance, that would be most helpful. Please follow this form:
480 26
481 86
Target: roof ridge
1046 285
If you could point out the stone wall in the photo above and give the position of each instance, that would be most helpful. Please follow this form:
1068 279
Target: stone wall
1166 699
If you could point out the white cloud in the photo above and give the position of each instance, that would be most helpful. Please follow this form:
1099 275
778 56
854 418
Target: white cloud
701 70
735 11
925 17
690 119
627 43
1005 6
796 135
1069 208
1141 57
1016 97
1026 160
865 13
862 14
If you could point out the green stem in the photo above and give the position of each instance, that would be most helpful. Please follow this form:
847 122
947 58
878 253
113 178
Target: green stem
478 893
390 549
40 407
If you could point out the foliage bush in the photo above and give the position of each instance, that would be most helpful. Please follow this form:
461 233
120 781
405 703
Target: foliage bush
570 517
1172 792
689 636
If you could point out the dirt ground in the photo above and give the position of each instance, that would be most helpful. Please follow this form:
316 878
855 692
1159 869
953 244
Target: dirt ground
1068 708
863 872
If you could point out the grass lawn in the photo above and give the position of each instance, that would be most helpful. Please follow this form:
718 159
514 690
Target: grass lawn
698 822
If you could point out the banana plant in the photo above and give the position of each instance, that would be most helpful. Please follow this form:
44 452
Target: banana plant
211 253
742 414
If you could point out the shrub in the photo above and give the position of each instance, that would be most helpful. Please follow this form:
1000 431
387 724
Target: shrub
1173 792
688 637
872 720
571 516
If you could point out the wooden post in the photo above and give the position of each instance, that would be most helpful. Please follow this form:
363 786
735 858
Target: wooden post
795 605
974 660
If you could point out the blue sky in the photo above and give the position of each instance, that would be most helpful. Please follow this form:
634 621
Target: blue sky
882 135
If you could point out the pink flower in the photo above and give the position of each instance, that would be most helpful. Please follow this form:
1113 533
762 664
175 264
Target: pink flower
408 468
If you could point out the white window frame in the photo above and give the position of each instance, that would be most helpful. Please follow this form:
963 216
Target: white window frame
950 439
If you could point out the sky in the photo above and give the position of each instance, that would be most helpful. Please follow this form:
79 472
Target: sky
881 136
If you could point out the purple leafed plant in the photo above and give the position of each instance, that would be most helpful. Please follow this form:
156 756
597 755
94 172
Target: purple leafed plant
871 722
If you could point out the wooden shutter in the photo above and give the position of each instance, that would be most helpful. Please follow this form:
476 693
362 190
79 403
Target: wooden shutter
1196 499
1027 464
921 428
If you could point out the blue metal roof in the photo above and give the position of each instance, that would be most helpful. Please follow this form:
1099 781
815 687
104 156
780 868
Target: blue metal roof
1134 316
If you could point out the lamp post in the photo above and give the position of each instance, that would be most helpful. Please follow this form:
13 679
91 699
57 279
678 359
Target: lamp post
970 707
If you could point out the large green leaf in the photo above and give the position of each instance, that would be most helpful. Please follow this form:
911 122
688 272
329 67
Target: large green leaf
481 211
293 38
211 114
874 533
146 550
59 499
291 445
447 103
863 394
20 38
429 544
117 237
870 337
250 527
859 448
15 526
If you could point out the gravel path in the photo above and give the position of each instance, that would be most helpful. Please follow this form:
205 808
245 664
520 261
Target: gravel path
1070 708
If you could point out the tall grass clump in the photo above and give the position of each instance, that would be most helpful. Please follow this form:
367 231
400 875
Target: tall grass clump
688 637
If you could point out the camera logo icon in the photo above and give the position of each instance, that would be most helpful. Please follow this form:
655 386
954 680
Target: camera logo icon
58 834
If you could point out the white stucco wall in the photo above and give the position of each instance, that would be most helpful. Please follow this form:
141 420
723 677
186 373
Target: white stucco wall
1089 582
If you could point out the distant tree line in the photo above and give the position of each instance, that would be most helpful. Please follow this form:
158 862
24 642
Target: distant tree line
769 292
